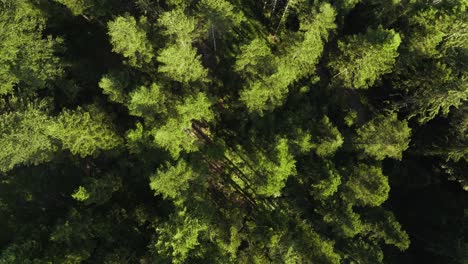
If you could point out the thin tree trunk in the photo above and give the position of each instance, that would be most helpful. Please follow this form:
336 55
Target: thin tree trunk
282 16
213 36
274 7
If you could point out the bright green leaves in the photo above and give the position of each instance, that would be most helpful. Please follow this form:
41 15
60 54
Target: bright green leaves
176 134
77 7
181 63
175 137
221 13
179 60
367 185
272 169
180 236
328 183
328 138
341 216
129 38
31 136
179 27
384 137
435 31
85 131
277 172
26 57
301 58
427 36
173 180
268 90
269 164
113 85
195 108
364 58
25 138
253 58
147 101
81 194
433 74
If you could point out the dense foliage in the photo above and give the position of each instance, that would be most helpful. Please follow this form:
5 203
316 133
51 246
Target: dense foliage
233 131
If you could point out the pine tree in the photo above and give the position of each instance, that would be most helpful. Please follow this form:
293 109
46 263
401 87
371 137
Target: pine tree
364 58
176 135
367 186
179 59
25 138
86 131
384 136
27 56
129 38
297 61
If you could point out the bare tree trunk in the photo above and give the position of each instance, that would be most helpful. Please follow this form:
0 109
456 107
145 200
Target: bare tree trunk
274 6
213 36
282 16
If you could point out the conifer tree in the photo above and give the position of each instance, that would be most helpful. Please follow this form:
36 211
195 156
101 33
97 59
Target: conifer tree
25 138
85 131
129 38
384 136
26 56
364 58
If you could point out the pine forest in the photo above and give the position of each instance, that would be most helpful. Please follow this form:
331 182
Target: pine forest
233 131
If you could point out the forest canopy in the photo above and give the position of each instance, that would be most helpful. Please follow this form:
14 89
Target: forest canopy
233 131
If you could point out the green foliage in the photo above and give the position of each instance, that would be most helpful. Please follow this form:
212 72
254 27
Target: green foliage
129 38
388 230
172 181
218 131
278 172
272 169
221 12
25 138
146 102
180 237
77 7
367 185
181 63
179 59
297 61
328 139
178 26
19 252
97 190
26 55
451 91
85 131
176 134
113 85
434 30
364 58
346 222
81 194
453 144
434 72
384 136
329 182
253 58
